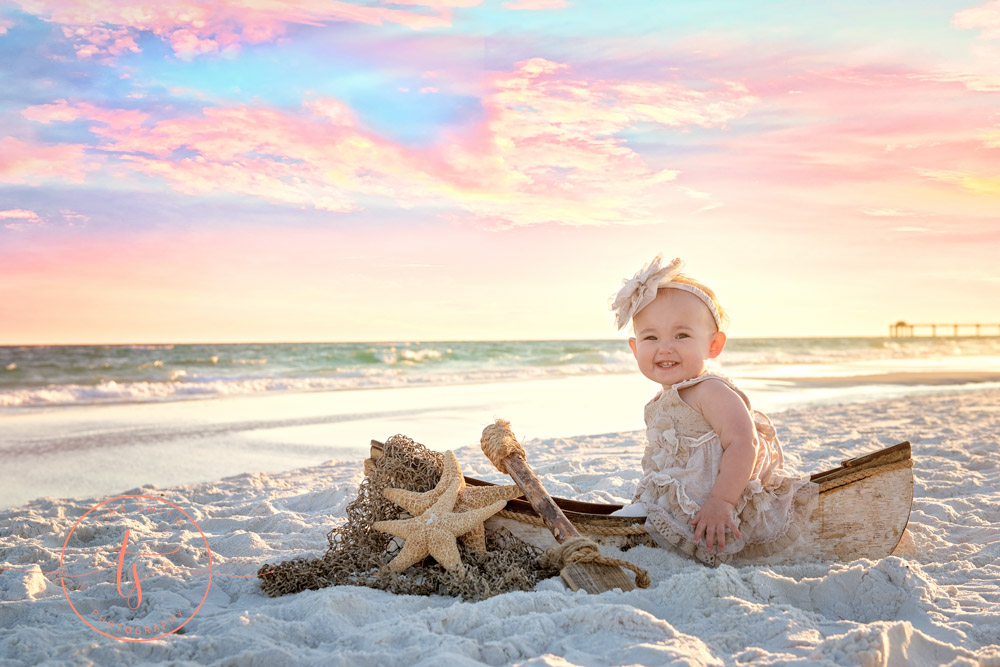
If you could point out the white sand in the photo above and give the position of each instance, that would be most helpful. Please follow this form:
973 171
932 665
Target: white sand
936 603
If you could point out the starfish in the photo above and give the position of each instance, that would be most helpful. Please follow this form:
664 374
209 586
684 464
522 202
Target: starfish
434 533
469 498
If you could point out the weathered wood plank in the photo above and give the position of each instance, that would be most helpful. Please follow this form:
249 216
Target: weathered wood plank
595 578
865 519
894 454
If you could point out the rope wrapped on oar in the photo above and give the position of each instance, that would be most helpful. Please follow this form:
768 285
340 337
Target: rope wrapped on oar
498 443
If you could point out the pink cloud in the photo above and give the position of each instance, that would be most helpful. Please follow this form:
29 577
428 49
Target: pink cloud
849 138
23 162
194 28
19 219
991 138
852 125
974 81
551 148
890 213
536 5
438 5
19 214
974 183
5 25
547 152
97 41
985 17
62 111
315 158
74 219
16 219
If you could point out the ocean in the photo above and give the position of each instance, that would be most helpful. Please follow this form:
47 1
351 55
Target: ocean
83 375
99 420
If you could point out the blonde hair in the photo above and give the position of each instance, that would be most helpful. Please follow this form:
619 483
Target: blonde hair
688 280
709 292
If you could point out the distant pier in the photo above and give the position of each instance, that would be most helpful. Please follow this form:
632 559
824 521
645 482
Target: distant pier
907 330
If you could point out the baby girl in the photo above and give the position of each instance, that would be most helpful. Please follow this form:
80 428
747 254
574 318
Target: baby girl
713 482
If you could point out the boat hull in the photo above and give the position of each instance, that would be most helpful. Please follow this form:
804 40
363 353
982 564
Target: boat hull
862 511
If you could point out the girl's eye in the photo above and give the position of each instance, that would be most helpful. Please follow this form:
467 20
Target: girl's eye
650 338
682 335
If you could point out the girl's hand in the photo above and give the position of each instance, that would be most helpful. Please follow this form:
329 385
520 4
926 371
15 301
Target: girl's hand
711 522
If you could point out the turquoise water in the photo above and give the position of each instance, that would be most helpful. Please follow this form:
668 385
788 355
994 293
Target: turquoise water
86 375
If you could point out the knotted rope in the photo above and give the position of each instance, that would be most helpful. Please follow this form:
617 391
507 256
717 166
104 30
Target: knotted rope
584 550
498 442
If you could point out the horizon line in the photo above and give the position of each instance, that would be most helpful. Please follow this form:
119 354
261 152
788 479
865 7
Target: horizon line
451 340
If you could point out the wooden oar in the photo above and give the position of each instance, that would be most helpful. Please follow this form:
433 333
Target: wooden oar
507 455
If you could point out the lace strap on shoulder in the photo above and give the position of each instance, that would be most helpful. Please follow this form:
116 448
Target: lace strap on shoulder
709 375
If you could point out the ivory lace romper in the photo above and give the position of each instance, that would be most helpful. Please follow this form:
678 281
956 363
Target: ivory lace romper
680 465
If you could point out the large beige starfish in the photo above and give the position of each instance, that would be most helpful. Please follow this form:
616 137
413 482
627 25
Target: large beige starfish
469 498
434 533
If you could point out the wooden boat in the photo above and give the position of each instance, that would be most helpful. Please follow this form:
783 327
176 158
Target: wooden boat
864 506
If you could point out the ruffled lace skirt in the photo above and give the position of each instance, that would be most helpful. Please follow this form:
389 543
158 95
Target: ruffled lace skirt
772 518
775 511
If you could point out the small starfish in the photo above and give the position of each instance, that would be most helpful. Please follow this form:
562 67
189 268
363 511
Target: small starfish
469 497
434 533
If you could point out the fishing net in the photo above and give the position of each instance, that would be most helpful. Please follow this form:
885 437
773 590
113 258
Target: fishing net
357 554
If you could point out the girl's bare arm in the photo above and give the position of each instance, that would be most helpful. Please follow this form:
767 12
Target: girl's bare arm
729 417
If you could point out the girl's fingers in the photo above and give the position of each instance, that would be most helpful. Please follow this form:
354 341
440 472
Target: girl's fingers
711 537
699 528
718 534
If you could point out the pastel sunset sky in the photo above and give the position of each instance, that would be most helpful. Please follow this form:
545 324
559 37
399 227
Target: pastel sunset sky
325 170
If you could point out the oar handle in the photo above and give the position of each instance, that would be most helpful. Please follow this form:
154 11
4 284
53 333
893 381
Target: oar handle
535 493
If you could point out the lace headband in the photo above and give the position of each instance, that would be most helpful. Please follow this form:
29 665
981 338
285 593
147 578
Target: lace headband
639 291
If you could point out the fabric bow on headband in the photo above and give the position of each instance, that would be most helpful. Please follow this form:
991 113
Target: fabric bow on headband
640 290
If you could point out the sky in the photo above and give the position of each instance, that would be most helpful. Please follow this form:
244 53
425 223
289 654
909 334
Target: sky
325 170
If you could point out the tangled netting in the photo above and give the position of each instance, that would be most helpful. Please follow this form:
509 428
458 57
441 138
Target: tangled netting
357 554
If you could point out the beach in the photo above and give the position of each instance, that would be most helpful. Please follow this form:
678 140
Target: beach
274 471
264 264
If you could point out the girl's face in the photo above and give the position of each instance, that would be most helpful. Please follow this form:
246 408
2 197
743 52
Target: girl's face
674 336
